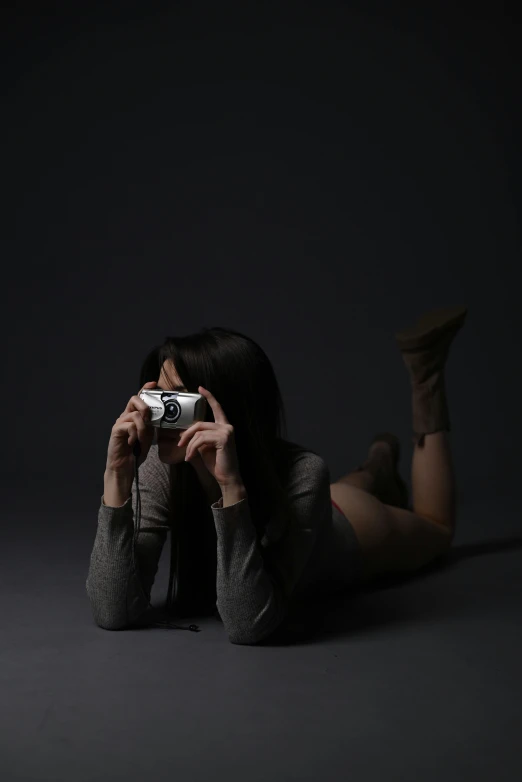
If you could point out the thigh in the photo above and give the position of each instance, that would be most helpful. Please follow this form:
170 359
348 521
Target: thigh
392 539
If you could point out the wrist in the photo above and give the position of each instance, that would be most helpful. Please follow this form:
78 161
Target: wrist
117 488
118 476
118 480
235 483
232 493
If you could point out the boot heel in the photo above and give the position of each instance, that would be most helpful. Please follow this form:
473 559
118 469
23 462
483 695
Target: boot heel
425 347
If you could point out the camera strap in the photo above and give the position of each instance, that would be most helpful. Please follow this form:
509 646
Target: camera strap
165 624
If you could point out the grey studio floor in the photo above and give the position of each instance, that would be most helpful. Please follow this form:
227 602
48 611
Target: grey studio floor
415 678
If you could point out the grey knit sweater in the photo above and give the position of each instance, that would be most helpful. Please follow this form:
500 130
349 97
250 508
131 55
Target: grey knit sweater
256 581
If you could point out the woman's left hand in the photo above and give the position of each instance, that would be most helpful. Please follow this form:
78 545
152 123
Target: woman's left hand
215 444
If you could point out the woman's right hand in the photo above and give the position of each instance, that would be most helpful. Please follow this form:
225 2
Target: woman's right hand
133 424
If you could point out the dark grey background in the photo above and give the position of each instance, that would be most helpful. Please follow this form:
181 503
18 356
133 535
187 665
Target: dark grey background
314 175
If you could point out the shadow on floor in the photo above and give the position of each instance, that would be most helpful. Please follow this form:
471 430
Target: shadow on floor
372 606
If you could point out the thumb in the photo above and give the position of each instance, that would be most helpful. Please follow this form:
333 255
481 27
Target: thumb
148 384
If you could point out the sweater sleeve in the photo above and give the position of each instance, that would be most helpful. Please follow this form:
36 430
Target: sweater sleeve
118 594
254 587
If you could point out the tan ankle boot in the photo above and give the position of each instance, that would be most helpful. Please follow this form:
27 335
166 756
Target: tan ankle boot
424 349
388 486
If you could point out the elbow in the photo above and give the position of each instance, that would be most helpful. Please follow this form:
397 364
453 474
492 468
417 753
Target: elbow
252 636
240 640
105 616
248 639
254 629
111 625
107 622
243 634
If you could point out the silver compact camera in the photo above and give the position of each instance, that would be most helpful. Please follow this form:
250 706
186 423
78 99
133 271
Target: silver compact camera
174 409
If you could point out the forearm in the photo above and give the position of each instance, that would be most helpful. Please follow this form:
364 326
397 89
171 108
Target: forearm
113 585
123 564
250 604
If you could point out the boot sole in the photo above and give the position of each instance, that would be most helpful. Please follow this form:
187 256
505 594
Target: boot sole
394 442
430 326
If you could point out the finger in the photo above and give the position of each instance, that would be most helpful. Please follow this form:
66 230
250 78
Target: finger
135 432
132 423
198 426
132 434
125 430
149 384
140 425
191 448
131 417
219 413
135 403
203 438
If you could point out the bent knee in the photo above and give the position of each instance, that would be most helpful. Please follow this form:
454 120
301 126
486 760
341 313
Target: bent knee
447 526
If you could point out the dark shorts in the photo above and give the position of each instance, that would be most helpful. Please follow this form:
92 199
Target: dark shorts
339 561
338 508
347 554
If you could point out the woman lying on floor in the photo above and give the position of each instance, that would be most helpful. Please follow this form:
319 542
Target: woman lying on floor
255 522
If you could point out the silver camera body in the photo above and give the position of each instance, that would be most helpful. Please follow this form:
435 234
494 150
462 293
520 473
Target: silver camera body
174 409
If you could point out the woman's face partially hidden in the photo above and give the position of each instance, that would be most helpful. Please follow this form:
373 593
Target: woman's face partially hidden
168 450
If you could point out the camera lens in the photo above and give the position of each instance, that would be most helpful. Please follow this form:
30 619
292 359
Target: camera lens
172 412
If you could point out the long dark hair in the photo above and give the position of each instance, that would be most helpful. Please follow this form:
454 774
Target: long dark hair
235 369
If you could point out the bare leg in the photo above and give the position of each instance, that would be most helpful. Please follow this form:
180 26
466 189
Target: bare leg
393 538
433 480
